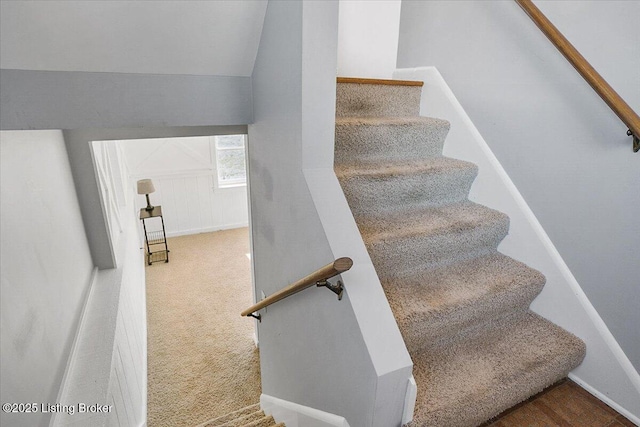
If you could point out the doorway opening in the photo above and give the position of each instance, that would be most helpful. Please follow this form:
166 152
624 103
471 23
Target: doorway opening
203 360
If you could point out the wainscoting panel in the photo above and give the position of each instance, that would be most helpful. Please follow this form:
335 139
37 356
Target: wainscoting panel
190 204
127 383
108 364
183 171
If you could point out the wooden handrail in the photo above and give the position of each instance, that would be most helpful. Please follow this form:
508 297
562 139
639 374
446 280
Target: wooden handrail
318 277
595 80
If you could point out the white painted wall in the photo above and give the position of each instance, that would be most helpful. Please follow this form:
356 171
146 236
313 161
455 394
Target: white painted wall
565 151
151 37
380 333
112 190
184 174
368 38
312 349
46 269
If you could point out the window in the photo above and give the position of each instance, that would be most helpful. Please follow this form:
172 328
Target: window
230 160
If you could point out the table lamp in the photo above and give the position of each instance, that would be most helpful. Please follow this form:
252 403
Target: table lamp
145 186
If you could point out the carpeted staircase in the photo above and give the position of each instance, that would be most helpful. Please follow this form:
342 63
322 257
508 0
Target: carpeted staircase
250 416
462 306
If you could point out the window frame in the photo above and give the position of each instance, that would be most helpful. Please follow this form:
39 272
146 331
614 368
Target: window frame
219 183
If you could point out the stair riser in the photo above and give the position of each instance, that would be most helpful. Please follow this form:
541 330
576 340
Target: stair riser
423 334
393 142
393 193
400 256
370 100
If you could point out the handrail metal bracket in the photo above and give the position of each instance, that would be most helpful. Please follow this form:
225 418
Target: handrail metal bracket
636 141
319 277
337 289
255 316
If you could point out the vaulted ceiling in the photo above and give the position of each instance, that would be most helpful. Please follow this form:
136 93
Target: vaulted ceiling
208 37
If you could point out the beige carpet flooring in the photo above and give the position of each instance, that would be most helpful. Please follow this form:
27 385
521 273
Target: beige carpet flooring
202 361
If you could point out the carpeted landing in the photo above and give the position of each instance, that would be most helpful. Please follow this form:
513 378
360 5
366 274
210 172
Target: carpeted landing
202 360
462 307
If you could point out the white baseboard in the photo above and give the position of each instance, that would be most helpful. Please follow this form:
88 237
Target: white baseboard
206 230
255 338
294 415
604 398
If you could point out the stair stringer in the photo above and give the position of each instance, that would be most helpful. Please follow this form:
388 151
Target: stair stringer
606 371
386 347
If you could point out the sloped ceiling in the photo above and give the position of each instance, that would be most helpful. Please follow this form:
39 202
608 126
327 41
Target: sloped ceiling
208 37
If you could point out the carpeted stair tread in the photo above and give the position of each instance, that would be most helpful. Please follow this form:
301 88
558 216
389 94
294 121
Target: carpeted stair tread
414 239
266 421
251 416
435 304
232 416
385 168
243 420
387 187
389 121
475 379
377 100
371 138
445 219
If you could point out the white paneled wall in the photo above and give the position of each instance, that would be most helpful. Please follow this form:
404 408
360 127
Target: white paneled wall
108 362
184 173
127 384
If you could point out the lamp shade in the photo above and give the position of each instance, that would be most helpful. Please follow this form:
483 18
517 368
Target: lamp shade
145 186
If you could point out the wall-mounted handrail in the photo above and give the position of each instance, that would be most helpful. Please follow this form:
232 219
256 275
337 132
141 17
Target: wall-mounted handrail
319 277
595 80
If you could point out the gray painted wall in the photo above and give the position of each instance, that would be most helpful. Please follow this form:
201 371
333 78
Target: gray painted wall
46 265
149 37
71 100
311 348
561 145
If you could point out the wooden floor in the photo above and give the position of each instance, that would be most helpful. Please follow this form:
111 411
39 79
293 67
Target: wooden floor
564 404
